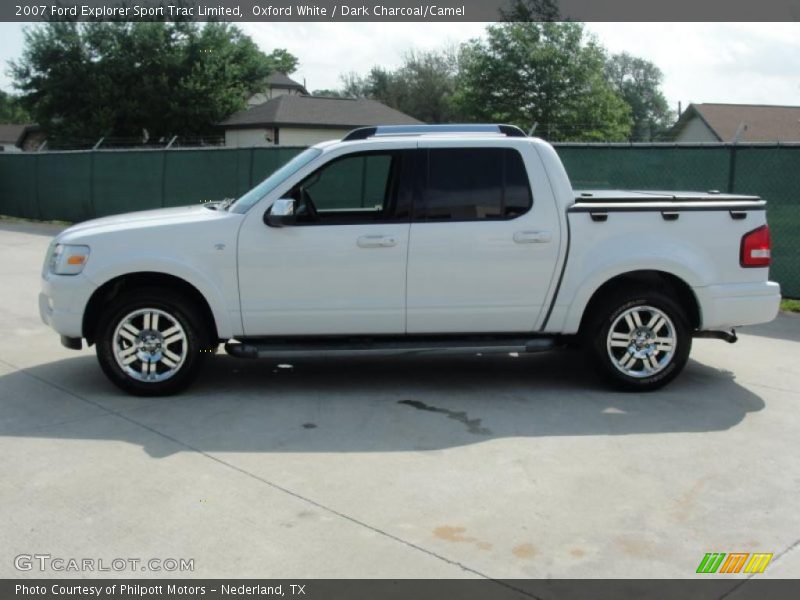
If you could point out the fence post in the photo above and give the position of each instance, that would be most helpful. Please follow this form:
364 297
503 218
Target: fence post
732 169
36 186
92 208
250 175
163 177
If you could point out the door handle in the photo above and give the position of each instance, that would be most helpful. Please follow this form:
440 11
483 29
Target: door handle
376 241
532 237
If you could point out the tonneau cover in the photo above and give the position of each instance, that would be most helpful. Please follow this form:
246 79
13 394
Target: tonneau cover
604 196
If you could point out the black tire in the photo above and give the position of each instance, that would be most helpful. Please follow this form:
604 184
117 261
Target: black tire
610 354
194 344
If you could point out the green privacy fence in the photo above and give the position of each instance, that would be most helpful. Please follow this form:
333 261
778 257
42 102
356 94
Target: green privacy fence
74 186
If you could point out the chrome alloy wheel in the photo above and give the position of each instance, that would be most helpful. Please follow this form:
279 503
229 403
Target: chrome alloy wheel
641 341
150 345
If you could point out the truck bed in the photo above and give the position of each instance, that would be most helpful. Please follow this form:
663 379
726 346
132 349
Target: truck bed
695 235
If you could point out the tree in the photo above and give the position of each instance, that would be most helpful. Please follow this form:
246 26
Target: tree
328 93
355 86
283 61
638 82
11 111
423 86
532 10
548 74
143 79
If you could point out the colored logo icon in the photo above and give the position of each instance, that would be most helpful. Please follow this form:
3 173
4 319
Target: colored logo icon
735 562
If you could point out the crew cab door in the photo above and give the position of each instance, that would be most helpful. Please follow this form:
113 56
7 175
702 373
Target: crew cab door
483 250
340 268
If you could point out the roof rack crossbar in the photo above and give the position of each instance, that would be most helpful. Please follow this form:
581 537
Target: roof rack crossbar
363 133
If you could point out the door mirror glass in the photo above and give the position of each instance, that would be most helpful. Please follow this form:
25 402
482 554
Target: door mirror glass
281 213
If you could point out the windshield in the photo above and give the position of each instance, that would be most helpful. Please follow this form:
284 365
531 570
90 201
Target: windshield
243 204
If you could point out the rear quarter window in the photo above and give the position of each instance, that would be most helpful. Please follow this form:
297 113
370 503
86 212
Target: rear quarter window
473 184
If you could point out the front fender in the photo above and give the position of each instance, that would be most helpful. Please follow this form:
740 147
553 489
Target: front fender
227 323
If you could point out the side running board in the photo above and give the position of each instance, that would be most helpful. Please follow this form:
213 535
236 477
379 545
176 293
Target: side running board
374 347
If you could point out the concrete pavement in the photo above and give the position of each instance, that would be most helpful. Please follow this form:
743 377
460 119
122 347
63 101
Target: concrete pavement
495 467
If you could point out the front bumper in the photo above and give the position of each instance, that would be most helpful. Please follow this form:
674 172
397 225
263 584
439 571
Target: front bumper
732 305
62 302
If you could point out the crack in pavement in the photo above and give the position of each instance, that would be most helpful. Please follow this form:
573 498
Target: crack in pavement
772 387
269 483
750 577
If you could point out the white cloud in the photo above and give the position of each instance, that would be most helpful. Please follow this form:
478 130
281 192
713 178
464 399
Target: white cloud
11 39
748 63
326 50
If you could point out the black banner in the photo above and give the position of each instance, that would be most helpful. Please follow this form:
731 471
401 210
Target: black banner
353 589
401 10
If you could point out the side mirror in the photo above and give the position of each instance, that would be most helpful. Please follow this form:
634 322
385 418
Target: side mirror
281 213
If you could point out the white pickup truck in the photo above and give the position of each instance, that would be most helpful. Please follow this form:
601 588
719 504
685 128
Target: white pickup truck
413 239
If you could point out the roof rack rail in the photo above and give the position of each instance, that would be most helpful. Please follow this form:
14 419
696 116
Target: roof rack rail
363 133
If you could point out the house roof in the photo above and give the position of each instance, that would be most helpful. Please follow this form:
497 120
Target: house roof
318 111
282 80
760 122
10 133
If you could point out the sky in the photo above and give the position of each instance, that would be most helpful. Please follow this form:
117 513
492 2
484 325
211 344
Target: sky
750 63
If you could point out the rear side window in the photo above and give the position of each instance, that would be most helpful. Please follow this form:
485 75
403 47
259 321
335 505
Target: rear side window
472 184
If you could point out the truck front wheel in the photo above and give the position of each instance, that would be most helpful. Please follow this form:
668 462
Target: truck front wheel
640 340
150 342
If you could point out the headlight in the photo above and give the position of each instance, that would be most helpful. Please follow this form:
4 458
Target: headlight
68 259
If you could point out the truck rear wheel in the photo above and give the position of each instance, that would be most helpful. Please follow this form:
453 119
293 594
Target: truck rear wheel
150 342
640 340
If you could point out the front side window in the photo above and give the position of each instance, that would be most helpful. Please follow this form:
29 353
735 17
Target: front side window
355 188
470 184
243 204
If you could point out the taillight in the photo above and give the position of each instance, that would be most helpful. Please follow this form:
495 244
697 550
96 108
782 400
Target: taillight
755 249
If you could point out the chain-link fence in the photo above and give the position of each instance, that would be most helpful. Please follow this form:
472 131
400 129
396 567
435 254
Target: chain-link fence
53 144
74 186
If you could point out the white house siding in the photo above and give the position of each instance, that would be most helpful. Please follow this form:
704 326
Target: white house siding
247 138
696 131
287 136
307 136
